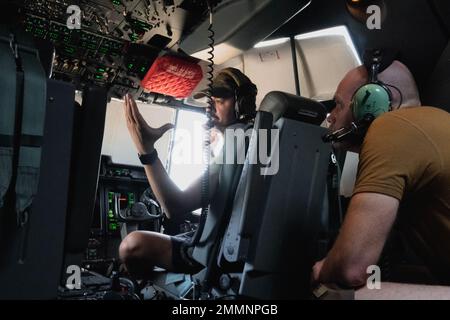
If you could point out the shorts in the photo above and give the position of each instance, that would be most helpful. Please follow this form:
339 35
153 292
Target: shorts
182 260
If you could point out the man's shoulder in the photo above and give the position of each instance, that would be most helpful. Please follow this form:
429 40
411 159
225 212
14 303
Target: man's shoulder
409 121
415 114
415 136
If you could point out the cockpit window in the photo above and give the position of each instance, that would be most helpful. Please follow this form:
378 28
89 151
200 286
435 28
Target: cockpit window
324 56
185 164
116 138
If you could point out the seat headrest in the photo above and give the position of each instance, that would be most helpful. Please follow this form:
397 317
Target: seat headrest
286 105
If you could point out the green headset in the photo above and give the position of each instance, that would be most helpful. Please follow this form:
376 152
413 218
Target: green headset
368 102
373 98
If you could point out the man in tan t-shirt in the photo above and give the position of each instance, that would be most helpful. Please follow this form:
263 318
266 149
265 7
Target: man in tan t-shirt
404 163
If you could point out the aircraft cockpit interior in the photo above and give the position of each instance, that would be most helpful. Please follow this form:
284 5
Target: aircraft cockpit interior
200 149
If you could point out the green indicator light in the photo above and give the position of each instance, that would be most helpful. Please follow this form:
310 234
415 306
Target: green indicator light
142 69
111 215
117 2
101 70
98 77
130 66
130 199
134 37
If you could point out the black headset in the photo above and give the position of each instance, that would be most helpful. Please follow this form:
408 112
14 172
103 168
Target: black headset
244 95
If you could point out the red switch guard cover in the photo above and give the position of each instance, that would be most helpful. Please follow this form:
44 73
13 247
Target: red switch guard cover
172 76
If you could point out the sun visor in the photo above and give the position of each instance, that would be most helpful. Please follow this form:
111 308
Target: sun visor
173 76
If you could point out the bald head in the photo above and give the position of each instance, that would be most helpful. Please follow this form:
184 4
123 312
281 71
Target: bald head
396 75
399 76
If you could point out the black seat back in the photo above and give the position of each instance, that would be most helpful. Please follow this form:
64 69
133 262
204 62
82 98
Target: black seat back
40 245
32 229
86 156
276 219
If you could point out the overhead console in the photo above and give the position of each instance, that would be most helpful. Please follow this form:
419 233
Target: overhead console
117 42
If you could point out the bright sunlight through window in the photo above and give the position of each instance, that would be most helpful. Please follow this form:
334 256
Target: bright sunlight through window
186 156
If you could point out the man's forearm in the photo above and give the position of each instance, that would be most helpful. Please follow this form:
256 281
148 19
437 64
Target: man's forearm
366 226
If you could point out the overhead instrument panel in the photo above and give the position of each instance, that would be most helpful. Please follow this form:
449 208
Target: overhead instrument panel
117 41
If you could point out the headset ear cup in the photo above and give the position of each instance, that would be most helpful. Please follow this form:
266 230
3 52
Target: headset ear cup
247 100
245 95
372 98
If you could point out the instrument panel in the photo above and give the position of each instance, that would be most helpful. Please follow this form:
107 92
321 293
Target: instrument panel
122 191
117 41
119 188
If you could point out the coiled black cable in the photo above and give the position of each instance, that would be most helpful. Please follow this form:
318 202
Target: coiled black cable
399 92
207 138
